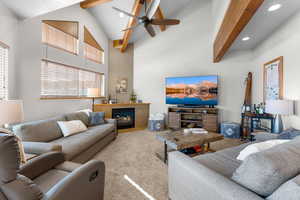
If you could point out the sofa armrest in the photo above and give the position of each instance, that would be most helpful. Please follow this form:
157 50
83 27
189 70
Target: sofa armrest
264 136
41 164
114 122
189 180
40 147
86 182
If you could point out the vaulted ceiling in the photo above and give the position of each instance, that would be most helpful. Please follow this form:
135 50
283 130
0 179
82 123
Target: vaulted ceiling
259 28
114 24
264 23
31 8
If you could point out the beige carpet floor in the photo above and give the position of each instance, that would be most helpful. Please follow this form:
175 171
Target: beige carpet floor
133 155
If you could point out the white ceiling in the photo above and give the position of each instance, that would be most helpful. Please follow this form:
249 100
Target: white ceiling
113 24
264 23
31 8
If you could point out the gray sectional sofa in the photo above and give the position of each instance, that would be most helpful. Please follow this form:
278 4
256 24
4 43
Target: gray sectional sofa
45 135
273 174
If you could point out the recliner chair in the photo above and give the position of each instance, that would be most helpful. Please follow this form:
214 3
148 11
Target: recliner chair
47 177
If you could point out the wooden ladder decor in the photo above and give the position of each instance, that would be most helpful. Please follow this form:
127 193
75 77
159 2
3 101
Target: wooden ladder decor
246 105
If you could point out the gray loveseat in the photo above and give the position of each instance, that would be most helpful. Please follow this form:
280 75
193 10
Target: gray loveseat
45 135
274 174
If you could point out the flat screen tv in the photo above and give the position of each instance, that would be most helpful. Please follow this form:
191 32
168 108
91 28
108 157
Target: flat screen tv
195 90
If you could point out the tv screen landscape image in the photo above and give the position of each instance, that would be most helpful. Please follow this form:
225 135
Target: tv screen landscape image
197 90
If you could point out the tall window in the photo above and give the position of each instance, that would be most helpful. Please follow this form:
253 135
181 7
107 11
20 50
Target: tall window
92 50
61 34
58 80
3 71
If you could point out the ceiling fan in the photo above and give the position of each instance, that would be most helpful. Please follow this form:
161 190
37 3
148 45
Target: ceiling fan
148 20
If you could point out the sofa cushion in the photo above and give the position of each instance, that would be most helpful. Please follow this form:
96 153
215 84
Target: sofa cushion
97 118
39 131
223 162
47 180
289 190
78 116
75 144
265 171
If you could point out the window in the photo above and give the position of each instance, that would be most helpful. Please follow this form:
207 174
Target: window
60 34
3 71
92 50
58 81
93 54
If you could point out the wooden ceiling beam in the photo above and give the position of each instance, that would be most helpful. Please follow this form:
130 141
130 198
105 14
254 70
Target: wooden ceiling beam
237 16
159 15
127 34
91 3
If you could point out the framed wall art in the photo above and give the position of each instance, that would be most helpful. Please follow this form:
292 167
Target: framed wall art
273 79
122 85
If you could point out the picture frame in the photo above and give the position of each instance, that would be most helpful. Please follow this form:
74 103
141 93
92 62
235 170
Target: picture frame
273 79
122 86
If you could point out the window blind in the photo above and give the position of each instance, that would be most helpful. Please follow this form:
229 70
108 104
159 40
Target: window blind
59 39
3 72
93 54
92 50
58 80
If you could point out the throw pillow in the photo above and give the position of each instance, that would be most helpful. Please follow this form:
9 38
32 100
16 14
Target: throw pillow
78 116
288 191
71 127
97 118
289 134
258 147
265 171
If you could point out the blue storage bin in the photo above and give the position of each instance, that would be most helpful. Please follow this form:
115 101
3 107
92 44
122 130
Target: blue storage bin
156 125
231 129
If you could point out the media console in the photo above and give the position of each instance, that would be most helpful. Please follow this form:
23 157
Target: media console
190 117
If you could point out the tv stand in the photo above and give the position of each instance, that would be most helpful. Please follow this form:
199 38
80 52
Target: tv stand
193 117
195 106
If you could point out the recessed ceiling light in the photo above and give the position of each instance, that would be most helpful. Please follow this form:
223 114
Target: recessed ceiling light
274 7
122 15
246 38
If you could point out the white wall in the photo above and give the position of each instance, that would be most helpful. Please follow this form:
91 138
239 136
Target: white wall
186 50
284 42
219 8
32 51
8 35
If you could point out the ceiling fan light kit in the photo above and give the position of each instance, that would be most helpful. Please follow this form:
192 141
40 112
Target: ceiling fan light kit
148 19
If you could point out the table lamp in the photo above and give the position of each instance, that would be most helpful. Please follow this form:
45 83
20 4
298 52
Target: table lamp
94 93
11 112
278 108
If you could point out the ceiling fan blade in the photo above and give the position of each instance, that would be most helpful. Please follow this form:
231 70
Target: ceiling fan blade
132 27
126 13
165 21
152 8
149 28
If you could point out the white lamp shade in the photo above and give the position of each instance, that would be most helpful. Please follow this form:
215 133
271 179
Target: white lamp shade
281 107
11 112
93 92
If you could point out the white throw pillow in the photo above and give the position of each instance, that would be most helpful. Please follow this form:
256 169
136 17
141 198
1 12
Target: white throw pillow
258 147
71 127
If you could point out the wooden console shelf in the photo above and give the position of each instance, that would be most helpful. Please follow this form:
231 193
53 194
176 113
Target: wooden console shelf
141 112
182 117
